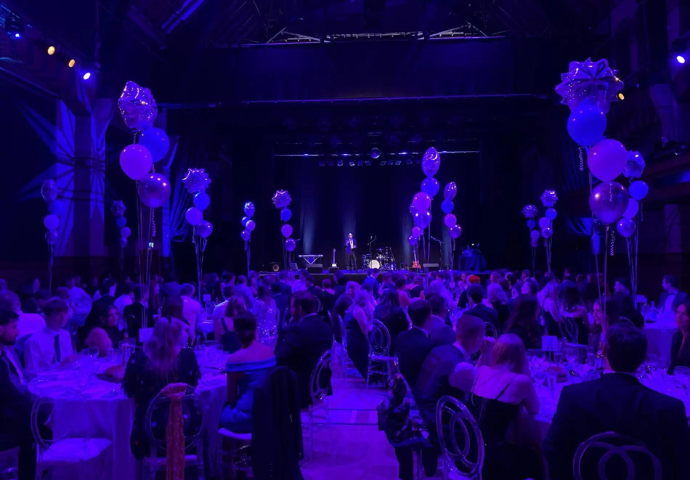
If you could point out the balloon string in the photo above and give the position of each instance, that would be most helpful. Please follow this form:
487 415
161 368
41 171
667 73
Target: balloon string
613 242
50 267
582 162
605 268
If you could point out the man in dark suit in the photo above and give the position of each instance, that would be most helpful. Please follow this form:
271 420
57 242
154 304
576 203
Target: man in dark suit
106 299
416 291
439 332
672 297
617 402
350 245
342 304
432 382
475 295
412 346
281 284
303 342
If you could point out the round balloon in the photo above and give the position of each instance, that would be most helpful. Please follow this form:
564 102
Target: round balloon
625 227
249 209
118 208
450 191
244 221
544 222
534 234
246 235
633 208
416 232
531 223
286 230
156 141
290 244
551 214
251 225
450 220
455 231
57 207
535 241
586 124
422 220
125 232
430 186
412 240
202 200
52 237
422 202
608 201
49 190
205 229
135 161
194 216
286 214
447 206
120 222
431 162
639 190
607 159
51 222
154 190
123 242
546 232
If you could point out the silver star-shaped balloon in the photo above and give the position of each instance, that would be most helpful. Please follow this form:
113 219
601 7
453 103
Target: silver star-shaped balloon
594 81
549 198
137 107
196 180
530 211
281 199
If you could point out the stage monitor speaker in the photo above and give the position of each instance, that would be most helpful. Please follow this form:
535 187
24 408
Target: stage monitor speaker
315 268
332 269
432 267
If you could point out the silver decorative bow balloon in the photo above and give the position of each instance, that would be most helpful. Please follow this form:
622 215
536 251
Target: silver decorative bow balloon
549 198
590 80
137 107
196 180
635 165
431 162
281 199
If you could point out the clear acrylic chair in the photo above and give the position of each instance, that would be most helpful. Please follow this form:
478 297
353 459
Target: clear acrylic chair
319 387
569 329
60 441
9 464
491 330
379 352
236 457
462 444
193 414
609 445
347 367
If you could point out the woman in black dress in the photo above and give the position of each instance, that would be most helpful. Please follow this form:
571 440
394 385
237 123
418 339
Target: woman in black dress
101 330
523 321
680 345
498 299
162 362
391 315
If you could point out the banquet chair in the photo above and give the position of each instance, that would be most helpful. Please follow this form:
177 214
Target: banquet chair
238 452
491 330
379 351
58 442
9 464
569 330
613 445
193 415
319 388
460 439
347 367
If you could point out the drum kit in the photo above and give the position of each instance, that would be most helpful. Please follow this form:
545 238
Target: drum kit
382 259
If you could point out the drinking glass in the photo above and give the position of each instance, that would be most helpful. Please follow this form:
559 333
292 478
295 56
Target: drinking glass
557 358
571 356
93 351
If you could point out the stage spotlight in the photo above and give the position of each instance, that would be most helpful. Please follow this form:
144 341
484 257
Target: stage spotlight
391 163
71 63
14 27
367 163
398 162
680 59
359 163
621 96
86 76
352 163
409 161
340 163
375 153
403 153
51 50
383 163
322 164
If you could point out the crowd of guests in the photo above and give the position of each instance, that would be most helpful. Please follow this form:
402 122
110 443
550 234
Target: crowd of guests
451 336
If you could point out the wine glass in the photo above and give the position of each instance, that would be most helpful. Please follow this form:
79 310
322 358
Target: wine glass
92 351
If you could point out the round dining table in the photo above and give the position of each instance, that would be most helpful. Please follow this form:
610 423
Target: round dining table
106 412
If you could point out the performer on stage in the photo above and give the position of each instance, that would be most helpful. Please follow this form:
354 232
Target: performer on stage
351 244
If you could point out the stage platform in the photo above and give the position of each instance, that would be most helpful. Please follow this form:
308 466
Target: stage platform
359 276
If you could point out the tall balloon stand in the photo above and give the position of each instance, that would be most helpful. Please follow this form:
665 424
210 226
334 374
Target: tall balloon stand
249 225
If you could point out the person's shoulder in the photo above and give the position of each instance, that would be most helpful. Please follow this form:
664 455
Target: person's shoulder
662 401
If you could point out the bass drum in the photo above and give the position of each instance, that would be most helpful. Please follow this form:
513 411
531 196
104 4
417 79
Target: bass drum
374 264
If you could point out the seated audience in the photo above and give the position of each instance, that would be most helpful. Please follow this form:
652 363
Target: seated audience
327 287
191 309
303 342
27 323
414 345
266 314
525 275
529 287
340 284
125 298
101 330
173 309
499 300
392 315
246 368
51 345
80 300
550 308
142 309
433 380
502 388
476 307
400 283
418 288
163 361
602 322
439 331
680 345
618 402
358 324
524 321
224 329
342 305
672 296
573 309
242 288
219 310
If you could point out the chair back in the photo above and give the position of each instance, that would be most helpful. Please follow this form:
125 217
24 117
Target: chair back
156 419
462 444
320 380
379 339
491 330
609 445
9 464
569 330
48 409
343 334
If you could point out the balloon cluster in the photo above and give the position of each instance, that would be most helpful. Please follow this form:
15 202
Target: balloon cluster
281 199
49 192
247 222
118 210
196 181
138 109
421 202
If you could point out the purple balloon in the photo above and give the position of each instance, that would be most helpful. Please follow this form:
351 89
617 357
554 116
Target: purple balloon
412 240
447 206
625 227
290 244
633 208
608 201
455 231
450 220
422 220
422 202
118 208
587 124
204 229
52 237
450 191
431 162
534 234
249 209
135 161
544 223
551 214
535 241
607 159
194 216
286 214
49 190
120 222
125 232
416 232
202 200
530 211
430 186
57 207
251 225
286 230
244 221
156 141
531 223
639 190
154 190
123 242
246 235
51 222
546 232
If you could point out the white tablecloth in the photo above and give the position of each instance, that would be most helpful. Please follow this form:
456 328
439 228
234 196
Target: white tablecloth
110 414
659 336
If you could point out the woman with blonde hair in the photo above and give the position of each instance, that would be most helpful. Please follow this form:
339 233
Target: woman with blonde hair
358 322
163 361
501 390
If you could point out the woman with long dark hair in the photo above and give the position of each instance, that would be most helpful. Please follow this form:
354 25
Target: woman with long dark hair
392 315
680 345
604 313
524 321
101 330
573 309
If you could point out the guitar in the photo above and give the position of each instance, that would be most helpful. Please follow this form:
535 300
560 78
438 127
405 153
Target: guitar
415 263
334 264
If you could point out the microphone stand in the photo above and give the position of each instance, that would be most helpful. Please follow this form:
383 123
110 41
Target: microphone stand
440 250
